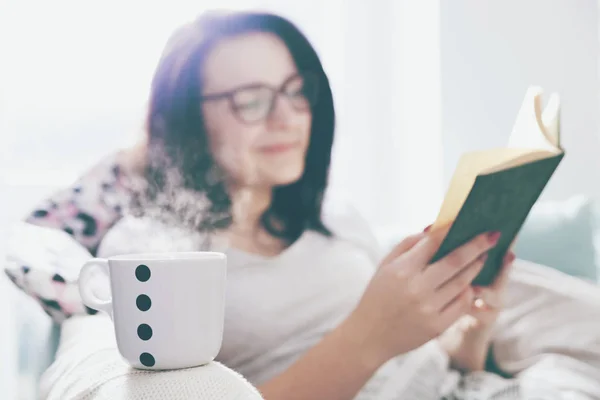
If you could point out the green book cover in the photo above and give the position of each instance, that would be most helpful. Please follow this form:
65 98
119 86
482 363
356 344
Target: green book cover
499 201
494 190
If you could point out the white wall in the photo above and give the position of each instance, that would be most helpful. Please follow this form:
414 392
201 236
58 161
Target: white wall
491 52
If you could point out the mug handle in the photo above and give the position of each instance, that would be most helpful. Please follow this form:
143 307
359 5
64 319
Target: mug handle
88 296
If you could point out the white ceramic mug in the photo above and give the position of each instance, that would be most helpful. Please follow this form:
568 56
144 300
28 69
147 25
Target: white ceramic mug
168 308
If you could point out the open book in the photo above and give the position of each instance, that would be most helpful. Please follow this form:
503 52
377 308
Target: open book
495 189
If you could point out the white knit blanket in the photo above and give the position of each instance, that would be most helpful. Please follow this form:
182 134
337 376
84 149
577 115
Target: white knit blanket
549 336
89 367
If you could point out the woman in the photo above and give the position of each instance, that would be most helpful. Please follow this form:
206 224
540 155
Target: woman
239 134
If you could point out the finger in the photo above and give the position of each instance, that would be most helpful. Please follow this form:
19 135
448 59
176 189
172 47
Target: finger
502 278
456 308
485 299
402 247
490 297
438 273
424 250
482 315
457 284
480 305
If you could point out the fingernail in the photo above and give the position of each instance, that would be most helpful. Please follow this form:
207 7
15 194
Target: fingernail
493 237
427 228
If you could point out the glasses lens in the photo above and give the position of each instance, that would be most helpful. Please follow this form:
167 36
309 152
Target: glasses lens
252 104
302 91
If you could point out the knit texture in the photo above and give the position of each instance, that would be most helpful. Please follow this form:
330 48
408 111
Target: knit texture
89 367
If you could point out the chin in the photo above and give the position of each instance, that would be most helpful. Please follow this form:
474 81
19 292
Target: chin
286 176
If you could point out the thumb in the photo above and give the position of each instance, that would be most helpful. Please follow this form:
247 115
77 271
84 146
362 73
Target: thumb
405 245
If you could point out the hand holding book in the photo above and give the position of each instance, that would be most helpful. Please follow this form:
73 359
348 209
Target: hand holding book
494 190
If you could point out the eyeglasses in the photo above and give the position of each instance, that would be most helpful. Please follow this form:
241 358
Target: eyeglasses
253 103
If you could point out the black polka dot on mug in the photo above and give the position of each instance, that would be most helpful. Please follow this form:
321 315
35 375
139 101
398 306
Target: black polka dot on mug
143 302
147 359
142 273
144 331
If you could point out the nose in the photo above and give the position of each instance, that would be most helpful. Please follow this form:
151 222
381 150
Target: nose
282 114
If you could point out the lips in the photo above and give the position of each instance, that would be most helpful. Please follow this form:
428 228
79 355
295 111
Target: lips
278 148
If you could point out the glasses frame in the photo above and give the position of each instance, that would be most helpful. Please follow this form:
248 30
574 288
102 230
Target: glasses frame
275 91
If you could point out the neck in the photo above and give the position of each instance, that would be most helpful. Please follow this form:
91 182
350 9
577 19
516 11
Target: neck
248 205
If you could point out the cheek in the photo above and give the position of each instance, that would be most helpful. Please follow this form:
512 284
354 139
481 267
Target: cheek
230 140
232 150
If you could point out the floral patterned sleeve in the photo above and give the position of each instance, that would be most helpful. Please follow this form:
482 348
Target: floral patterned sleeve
87 209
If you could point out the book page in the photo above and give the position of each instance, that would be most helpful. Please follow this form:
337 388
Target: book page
534 129
551 120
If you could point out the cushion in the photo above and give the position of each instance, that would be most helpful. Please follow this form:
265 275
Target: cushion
560 234
45 263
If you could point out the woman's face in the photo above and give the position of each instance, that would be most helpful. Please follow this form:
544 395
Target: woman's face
258 142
